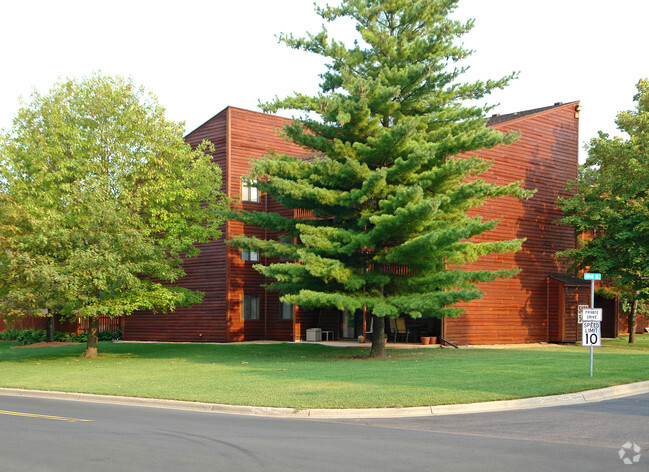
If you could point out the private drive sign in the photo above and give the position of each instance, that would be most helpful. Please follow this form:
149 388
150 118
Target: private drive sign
591 314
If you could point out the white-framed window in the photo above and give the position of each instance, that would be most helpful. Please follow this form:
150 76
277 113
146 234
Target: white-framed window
249 255
249 307
248 192
285 311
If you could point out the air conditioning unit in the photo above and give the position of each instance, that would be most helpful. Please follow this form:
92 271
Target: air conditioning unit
314 335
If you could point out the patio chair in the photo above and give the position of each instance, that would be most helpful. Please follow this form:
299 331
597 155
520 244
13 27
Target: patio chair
401 329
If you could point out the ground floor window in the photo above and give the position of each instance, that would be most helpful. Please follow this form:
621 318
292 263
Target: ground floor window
250 307
286 311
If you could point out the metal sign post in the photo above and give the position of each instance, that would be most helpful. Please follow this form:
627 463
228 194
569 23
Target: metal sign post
591 330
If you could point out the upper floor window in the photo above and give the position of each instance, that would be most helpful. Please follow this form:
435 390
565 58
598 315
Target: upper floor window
248 192
250 307
249 255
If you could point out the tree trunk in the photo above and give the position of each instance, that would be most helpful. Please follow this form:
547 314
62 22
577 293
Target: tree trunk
49 329
378 337
632 318
93 331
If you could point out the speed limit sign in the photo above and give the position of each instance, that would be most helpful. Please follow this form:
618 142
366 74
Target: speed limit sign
591 334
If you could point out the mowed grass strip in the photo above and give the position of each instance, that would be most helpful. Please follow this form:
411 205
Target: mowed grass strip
314 376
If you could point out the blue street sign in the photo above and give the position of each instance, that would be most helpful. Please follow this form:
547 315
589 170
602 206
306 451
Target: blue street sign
592 276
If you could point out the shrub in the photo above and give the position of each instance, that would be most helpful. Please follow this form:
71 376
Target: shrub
10 335
31 336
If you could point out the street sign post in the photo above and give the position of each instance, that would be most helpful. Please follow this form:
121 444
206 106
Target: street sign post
591 319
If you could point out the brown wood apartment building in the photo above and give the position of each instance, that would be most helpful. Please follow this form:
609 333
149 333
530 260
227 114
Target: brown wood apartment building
538 305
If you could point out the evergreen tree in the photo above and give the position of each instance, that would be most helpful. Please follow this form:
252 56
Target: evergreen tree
389 198
100 197
611 206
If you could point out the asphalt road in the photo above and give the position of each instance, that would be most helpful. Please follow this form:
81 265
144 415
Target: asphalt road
46 435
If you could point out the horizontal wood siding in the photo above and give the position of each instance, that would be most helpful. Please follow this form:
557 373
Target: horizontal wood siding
511 310
545 157
555 309
641 323
205 273
252 136
30 322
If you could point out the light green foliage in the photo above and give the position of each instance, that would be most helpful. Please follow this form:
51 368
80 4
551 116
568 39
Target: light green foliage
99 198
389 197
612 206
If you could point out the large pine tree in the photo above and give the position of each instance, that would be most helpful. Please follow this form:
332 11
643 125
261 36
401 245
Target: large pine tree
389 198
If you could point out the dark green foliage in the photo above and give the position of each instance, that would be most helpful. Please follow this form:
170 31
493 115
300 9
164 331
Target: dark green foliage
32 336
390 198
10 334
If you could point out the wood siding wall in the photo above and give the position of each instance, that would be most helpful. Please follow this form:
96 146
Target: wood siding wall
252 136
545 157
206 273
30 322
512 310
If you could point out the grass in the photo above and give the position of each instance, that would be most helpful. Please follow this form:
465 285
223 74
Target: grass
314 376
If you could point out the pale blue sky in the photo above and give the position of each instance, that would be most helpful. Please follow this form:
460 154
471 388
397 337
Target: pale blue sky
201 56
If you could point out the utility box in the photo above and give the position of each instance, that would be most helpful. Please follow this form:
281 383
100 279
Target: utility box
314 334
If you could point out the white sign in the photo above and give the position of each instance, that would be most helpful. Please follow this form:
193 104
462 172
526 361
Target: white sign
591 334
580 309
592 276
591 314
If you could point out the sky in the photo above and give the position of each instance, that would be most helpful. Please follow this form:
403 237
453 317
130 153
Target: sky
201 56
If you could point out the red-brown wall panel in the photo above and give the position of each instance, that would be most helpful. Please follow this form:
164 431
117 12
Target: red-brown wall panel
205 273
545 158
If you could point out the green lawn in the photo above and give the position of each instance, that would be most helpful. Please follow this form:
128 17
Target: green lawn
314 376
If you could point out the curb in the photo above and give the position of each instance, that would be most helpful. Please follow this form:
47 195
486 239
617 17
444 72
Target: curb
588 396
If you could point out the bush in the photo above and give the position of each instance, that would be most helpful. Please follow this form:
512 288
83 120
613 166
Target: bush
110 335
61 337
101 336
79 338
10 335
31 336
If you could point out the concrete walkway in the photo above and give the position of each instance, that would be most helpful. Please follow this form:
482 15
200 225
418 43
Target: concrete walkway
525 403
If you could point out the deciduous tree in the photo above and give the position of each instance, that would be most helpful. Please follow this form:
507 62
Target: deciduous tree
100 199
611 206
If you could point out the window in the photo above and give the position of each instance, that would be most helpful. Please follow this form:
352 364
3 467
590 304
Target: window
248 192
285 311
250 307
249 255
285 240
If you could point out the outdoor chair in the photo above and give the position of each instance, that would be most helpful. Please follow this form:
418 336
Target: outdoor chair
401 329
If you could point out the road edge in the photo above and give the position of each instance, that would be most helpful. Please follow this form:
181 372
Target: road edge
588 396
